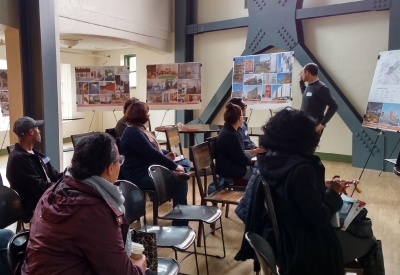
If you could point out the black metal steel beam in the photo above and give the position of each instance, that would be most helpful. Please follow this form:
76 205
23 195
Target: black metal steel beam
341 9
217 26
39 71
184 49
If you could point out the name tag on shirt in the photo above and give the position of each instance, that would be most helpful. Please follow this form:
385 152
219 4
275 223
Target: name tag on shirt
309 94
246 133
46 159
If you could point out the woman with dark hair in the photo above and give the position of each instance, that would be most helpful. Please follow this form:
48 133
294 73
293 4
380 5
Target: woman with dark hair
142 150
232 162
304 206
79 226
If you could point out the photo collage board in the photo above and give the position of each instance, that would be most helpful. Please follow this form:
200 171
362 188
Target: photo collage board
174 86
101 88
5 105
383 107
263 81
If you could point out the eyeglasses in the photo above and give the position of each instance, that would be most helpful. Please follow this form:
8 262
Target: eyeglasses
120 159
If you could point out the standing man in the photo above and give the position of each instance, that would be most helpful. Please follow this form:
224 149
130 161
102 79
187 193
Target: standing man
316 97
29 172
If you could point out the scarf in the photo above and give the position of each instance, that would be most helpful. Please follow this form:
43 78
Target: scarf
110 193
152 139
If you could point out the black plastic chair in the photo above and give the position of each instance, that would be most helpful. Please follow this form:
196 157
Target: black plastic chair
264 253
165 186
179 238
10 148
111 132
10 208
16 248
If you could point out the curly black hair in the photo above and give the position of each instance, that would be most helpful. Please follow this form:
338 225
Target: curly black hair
290 131
92 155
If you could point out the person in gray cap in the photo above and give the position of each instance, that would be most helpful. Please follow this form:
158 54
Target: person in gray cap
29 172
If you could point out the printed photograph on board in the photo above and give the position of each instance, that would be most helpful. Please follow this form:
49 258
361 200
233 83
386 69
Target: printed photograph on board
372 114
286 64
238 70
390 115
252 92
94 88
249 64
262 63
109 73
107 87
167 71
189 71
237 90
151 71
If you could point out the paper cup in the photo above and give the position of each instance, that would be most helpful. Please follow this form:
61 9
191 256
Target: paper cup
137 251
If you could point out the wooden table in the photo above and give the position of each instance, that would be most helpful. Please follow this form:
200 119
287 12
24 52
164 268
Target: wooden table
255 131
192 129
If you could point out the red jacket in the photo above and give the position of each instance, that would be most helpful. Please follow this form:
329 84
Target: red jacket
76 231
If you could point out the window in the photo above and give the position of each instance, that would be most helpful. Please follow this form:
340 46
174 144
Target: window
66 92
130 61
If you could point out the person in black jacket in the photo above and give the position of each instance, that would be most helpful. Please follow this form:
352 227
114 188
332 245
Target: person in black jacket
303 205
231 160
29 172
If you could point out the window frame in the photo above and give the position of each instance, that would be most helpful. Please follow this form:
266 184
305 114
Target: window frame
127 63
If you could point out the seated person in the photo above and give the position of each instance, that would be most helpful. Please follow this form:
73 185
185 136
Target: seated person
232 162
142 150
5 236
303 205
29 172
243 129
121 124
79 225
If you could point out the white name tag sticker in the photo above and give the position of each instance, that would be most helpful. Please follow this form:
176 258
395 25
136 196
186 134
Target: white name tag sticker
246 133
309 94
46 160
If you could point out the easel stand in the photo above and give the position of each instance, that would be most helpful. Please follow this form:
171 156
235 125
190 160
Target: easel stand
116 120
162 120
384 165
91 120
370 153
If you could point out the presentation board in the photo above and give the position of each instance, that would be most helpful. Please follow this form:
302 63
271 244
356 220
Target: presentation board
5 106
263 81
383 108
101 88
174 86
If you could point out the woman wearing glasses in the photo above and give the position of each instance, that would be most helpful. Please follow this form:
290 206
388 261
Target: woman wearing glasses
79 226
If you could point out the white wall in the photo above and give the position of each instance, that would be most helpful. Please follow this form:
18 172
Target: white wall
148 22
347 47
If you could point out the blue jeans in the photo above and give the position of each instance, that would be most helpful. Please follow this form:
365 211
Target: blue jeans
5 236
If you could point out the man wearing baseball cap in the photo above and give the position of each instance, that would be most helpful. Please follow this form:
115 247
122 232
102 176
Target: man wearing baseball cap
29 172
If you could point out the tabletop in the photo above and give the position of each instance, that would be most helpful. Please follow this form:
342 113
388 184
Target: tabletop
255 131
192 128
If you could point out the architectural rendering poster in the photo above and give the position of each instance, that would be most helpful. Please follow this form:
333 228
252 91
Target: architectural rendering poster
174 86
263 81
383 108
5 110
101 88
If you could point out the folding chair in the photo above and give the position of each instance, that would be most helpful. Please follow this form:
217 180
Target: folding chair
264 253
165 186
10 208
178 238
16 248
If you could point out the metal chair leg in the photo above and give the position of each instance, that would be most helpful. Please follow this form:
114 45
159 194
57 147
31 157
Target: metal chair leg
193 191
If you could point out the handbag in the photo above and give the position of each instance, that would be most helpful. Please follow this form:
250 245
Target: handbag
148 240
361 226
